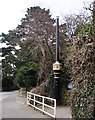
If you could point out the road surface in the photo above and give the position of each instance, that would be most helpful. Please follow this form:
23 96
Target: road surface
14 106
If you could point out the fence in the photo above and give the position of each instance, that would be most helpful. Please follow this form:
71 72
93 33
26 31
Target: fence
45 104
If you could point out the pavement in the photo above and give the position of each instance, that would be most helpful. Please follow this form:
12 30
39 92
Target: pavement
13 106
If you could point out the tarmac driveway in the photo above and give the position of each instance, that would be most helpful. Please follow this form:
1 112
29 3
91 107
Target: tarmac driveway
14 106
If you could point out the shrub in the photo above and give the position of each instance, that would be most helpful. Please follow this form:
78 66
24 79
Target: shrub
7 83
27 76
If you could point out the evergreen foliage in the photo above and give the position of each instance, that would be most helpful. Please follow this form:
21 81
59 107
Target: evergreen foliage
26 76
7 83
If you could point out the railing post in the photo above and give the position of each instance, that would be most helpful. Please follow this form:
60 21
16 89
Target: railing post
27 98
54 108
34 100
43 104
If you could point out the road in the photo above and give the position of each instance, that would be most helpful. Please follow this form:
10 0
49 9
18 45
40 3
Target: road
14 106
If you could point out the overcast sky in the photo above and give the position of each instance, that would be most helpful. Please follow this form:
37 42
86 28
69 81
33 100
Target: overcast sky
11 11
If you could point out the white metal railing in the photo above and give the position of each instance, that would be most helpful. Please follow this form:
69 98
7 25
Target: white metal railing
45 104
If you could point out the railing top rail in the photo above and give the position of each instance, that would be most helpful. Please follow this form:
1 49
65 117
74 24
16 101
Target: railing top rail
42 96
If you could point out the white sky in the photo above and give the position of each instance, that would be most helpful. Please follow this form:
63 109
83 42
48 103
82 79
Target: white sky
11 11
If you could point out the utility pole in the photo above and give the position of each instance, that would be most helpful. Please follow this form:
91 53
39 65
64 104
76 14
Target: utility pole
57 67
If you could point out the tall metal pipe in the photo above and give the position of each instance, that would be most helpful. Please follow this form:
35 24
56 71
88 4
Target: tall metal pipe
57 38
57 67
